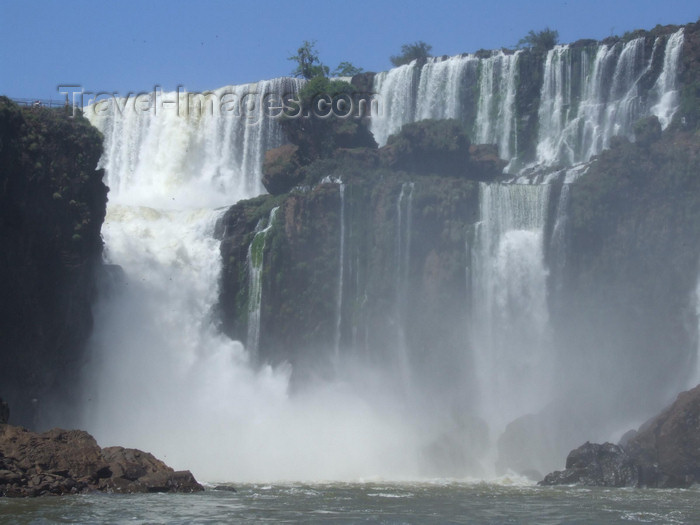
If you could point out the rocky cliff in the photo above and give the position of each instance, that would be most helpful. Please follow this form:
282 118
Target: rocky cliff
52 204
371 255
60 462
664 452
338 257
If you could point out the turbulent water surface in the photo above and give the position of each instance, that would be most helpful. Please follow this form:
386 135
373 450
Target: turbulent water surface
373 502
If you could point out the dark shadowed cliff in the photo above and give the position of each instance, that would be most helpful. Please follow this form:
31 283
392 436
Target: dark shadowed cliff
52 204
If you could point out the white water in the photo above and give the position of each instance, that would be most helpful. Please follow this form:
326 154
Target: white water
510 325
441 81
171 153
256 262
341 274
559 240
587 96
404 207
395 88
495 120
162 377
666 85
576 124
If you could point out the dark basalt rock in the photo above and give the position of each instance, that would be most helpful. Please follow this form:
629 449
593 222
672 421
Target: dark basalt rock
281 169
663 453
70 462
484 163
429 146
225 488
667 447
605 465
647 130
52 205
363 82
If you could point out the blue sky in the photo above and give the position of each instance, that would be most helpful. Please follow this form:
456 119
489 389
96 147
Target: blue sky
126 45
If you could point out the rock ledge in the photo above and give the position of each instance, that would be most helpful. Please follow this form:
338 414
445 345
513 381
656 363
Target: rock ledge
663 453
70 462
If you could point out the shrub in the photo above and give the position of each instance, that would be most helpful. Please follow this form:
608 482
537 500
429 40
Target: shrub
410 52
540 41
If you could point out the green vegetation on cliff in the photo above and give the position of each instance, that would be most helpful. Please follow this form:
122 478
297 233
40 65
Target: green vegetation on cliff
540 41
307 61
411 52
430 164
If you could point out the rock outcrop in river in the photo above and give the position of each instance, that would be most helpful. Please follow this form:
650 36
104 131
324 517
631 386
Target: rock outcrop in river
70 462
663 453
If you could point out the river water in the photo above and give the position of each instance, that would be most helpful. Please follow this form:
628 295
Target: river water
369 502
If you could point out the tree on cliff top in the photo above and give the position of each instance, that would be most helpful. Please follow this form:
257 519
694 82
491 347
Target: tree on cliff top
346 69
540 41
308 63
410 52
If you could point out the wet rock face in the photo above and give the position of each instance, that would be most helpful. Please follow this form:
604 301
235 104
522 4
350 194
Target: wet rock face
429 146
667 447
281 169
52 205
70 462
605 465
663 453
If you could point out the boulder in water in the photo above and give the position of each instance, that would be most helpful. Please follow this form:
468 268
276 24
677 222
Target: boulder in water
663 453
605 465
70 462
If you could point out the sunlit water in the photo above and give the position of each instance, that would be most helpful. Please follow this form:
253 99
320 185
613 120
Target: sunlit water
375 502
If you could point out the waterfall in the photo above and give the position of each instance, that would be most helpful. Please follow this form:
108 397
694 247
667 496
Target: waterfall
404 206
183 149
396 101
341 272
558 243
590 94
666 88
161 376
255 261
170 167
510 320
441 85
495 120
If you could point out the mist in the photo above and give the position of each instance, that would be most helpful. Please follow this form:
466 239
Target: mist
469 330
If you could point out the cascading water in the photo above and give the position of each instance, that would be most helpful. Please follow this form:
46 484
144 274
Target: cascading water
209 408
217 139
255 261
666 87
509 326
495 119
591 94
440 88
558 243
341 272
156 339
588 95
404 205
396 99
